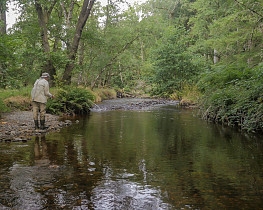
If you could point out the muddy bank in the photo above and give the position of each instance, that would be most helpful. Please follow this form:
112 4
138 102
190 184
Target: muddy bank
19 126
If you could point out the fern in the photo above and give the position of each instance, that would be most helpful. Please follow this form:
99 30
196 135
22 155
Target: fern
71 100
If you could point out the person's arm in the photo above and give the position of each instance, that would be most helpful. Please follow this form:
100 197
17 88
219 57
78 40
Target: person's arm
46 90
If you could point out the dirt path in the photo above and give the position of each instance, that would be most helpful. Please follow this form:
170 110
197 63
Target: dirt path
19 126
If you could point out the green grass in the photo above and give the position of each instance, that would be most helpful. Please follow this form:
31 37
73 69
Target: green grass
8 93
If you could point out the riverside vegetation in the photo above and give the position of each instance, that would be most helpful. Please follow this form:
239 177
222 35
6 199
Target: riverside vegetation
203 52
69 100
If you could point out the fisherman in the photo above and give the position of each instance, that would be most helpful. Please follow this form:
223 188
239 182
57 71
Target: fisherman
39 94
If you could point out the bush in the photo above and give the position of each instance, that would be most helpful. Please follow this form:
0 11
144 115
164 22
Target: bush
71 100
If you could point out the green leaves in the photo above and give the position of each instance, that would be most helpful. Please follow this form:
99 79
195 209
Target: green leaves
173 63
71 100
234 96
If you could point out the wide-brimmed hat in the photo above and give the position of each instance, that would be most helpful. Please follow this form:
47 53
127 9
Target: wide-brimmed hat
45 75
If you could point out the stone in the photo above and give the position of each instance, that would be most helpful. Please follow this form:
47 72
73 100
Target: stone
17 139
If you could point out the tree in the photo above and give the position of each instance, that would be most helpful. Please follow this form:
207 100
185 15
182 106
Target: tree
173 63
73 48
44 12
3 17
2 34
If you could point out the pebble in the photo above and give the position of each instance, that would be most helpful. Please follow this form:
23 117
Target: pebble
17 139
19 126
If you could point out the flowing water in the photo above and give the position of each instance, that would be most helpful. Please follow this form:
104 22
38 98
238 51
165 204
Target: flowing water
163 158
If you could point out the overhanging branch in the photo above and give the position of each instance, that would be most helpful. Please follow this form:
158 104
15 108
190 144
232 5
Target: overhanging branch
112 60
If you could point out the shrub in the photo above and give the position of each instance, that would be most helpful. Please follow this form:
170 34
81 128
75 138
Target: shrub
71 100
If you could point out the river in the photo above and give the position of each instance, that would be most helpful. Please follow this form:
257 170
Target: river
155 158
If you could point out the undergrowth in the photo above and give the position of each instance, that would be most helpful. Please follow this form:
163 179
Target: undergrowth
188 95
103 94
234 97
71 100
13 99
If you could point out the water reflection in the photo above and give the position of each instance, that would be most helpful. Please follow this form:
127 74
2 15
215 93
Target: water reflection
40 150
25 178
161 159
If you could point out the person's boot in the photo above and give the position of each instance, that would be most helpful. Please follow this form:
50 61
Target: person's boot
36 124
42 125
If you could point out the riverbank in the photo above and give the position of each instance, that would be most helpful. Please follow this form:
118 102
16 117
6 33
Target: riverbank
19 126
16 116
134 104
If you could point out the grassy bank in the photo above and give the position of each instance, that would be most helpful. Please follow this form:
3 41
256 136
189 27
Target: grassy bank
14 99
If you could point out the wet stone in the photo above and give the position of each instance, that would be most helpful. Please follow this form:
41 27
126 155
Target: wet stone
12 133
20 124
17 140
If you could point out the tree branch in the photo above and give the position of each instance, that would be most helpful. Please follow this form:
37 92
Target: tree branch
248 8
51 8
112 60
64 10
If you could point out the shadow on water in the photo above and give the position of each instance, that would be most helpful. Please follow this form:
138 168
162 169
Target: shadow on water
146 159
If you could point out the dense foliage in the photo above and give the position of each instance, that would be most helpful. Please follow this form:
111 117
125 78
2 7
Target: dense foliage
71 101
236 99
173 64
163 47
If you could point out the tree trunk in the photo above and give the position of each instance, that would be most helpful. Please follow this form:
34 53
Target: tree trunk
81 59
216 58
83 17
120 72
2 17
68 18
43 17
2 32
142 54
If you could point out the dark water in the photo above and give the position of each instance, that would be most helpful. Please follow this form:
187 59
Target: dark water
160 159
